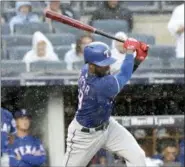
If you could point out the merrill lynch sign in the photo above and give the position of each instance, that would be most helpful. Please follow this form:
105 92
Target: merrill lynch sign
151 121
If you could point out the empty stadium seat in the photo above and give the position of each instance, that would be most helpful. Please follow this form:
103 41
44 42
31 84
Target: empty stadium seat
149 39
4 54
102 39
61 51
111 26
47 66
162 51
5 29
17 53
177 63
62 28
9 14
30 28
61 39
12 67
152 63
17 40
26 40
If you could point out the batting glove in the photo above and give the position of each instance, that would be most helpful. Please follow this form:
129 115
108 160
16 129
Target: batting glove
131 44
142 51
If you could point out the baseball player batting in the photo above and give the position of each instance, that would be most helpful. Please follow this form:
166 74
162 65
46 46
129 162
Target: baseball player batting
93 127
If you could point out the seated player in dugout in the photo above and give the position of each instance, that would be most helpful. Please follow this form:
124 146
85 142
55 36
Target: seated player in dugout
8 128
25 149
93 127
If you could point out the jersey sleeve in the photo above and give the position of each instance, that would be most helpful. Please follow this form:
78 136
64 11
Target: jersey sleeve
39 158
13 162
125 73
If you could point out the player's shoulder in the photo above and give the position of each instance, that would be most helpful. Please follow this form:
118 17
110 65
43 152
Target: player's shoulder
84 70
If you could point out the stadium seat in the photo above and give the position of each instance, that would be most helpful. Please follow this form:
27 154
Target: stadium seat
102 39
47 66
78 65
111 26
4 54
26 40
9 67
162 51
152 63
9 14
61 51
177 63
149 39
17 53
62 28
30 28
61 39
17 40
5 29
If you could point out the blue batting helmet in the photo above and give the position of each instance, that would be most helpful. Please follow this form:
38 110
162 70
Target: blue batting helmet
98 53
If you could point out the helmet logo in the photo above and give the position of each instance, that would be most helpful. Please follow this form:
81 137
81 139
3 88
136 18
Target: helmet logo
23 111
107 53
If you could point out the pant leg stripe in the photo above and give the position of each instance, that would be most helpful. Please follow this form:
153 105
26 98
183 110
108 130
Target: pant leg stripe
71 149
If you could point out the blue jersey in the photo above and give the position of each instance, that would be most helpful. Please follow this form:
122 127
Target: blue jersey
7 127
30 149
96 94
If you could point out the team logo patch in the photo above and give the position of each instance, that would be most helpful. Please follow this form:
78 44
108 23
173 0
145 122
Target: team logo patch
107 53
23 111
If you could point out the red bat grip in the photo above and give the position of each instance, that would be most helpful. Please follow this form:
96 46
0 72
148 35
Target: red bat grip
67 20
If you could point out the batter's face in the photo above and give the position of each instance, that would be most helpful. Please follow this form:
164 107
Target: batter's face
100 71
23 123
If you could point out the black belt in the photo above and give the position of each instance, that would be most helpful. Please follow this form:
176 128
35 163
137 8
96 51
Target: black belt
101 127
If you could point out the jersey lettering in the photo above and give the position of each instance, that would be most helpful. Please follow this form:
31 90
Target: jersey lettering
23 150
5 128
84 89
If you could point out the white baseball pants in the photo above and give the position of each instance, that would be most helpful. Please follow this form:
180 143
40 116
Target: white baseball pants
81 146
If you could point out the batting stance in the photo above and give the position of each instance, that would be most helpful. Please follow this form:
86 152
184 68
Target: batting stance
26 150
93 128
7 127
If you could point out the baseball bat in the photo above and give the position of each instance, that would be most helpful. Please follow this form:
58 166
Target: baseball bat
77 24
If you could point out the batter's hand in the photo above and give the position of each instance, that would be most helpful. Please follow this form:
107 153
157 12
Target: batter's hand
131 44
142 51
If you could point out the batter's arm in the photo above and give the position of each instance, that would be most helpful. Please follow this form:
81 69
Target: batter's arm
125 71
